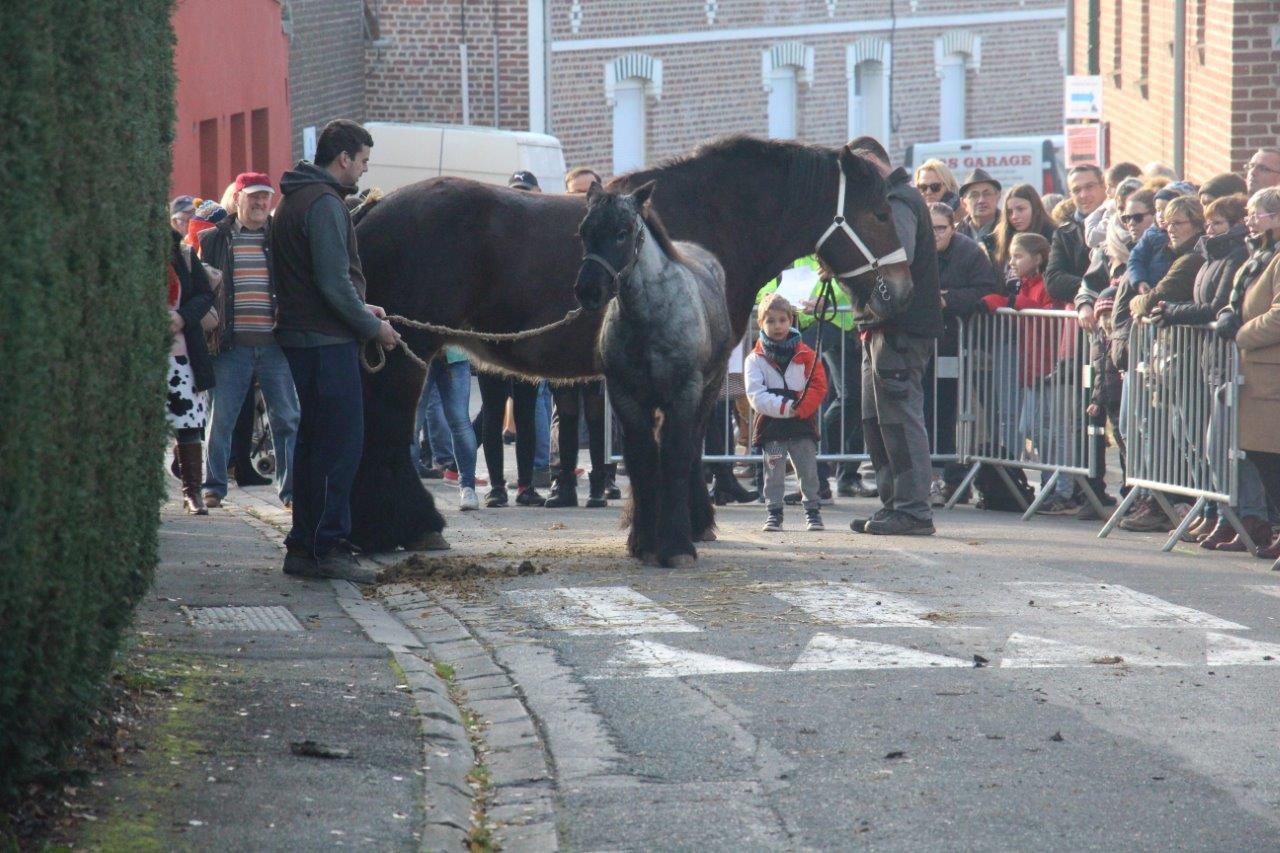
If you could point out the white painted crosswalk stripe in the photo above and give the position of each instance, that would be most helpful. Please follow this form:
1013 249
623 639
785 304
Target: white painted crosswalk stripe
828 652
1118 606
600 610
1226 650
1024 651
854 605
649 659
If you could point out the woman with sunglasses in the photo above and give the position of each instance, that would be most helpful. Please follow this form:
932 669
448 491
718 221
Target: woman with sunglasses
1252 319
937 184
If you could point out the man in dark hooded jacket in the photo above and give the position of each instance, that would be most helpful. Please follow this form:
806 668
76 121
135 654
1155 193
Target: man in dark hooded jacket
321 323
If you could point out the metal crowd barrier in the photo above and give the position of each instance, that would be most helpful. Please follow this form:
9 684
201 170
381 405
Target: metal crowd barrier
1180 423
840 425
1023 393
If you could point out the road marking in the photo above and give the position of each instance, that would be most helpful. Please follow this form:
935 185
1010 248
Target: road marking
1023 651
600 610
826 652
1119 606
1273 591
649 659
1226 650
914 557
855 605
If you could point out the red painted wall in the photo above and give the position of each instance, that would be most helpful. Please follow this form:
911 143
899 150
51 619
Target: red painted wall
232 62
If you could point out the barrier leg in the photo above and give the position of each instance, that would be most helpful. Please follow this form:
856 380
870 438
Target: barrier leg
1013 490
1184 524
1083 483
1167 507
965 485
1045 491
1234 521
1118 514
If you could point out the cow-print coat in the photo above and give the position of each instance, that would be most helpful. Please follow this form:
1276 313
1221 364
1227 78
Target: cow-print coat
195 302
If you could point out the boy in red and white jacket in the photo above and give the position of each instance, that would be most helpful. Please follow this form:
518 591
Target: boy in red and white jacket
786 385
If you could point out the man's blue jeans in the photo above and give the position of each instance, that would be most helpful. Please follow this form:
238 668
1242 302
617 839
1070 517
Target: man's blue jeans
451 385
432 437
233 370
330 442
542 427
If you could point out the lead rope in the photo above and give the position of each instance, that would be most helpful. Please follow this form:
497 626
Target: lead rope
379 359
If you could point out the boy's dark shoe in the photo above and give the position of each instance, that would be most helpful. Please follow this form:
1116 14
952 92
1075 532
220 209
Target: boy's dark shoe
813 520
773 523
596 497
900 524
496 498
859 525
529 496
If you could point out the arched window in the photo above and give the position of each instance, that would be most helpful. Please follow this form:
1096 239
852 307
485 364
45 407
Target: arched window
954 54
784 67
628 82
866 64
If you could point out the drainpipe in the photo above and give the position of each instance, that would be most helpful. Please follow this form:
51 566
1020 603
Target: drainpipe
1071 36
1179 86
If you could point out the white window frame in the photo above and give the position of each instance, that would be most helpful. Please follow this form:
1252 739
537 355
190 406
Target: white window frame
869 113
955 53
783 102
629 125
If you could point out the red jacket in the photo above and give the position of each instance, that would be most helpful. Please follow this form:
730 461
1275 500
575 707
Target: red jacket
1043 338
777 415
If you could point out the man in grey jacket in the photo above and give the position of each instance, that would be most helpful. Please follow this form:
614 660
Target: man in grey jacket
321 323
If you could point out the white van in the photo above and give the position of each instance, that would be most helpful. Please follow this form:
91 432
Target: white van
1035 160
407 153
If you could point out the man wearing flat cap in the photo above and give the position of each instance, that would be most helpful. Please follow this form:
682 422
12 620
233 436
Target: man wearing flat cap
981 194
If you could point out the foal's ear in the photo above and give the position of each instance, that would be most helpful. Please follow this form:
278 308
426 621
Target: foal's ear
594 192
642 194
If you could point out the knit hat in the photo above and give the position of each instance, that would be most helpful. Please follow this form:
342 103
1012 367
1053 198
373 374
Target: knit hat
181 204
1175 189
1105 302
208 210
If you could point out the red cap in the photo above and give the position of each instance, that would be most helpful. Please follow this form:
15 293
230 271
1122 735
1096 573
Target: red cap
253 182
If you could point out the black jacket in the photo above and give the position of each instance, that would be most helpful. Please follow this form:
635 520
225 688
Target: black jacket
923 316
215 250
1068 262
1223 254
195 302
965 275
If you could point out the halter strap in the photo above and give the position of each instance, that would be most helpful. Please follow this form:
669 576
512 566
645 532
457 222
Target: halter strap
897 256
615 274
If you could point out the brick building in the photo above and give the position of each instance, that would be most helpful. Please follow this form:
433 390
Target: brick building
1230 78
326 62
623 83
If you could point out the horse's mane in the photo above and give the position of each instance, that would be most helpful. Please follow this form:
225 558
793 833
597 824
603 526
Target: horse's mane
804 165
659 232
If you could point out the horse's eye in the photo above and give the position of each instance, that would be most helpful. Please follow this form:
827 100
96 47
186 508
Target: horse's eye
883 217
622 235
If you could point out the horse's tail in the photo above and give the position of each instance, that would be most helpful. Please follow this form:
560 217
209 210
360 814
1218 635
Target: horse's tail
371 198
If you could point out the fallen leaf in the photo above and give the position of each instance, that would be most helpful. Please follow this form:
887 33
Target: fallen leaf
979 661
897 753
312 749
1057 737
1108 659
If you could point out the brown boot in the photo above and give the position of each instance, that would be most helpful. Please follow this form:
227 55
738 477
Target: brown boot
1257 528
1221 534
1202 528
1269 551
191 465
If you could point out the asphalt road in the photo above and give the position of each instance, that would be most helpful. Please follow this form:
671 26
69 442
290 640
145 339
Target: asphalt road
1000 686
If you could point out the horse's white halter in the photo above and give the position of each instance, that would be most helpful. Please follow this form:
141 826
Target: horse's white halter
897 256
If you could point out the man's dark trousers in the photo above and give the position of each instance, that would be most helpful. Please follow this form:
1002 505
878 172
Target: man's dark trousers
329 443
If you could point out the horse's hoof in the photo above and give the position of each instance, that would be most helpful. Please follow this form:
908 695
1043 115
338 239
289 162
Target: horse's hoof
430 541
650 558
682 561
708 535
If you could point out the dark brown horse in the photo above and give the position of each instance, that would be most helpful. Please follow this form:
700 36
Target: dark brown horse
466 255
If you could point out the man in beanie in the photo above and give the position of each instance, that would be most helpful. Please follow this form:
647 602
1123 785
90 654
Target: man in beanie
243 343
321 323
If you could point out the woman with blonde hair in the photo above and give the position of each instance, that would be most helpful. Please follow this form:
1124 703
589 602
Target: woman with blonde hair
937 184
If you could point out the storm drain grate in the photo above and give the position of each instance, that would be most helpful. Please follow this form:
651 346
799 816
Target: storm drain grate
243 618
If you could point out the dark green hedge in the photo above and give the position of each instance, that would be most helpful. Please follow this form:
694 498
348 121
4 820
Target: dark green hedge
86 116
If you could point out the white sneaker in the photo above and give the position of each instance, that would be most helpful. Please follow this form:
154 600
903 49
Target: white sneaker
467 499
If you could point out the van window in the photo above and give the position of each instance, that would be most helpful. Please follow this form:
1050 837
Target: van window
628 126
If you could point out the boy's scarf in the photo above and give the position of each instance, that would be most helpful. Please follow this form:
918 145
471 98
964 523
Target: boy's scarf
780 352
